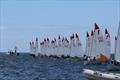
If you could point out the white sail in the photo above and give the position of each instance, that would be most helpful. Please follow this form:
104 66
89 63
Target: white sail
100 42
33 49
30 47
63 46
117 54
41 48
36 47
92 45
55 47
66 47
115 44
79 49
59 48
45 47
95 41
107 43
52 47
72 46
87 49
48 47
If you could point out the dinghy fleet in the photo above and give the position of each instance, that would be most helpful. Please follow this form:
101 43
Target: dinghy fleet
97 50
114 64
59 47
97 45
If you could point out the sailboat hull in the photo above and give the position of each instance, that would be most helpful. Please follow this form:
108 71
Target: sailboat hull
97 75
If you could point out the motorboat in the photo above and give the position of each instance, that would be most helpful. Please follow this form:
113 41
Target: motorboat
97 75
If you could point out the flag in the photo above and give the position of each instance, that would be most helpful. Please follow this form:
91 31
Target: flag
96 27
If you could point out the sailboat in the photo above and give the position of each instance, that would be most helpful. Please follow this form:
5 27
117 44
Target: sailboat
117 51
34 48
107 43
13 52
72 46
78 45
92 46
97 47
41 48
115 64
87 49
66 48
105 46
59 48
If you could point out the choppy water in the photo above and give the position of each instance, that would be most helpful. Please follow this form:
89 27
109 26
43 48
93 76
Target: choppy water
25 67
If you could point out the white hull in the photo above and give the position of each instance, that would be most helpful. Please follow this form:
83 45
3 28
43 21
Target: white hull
97 75
12 53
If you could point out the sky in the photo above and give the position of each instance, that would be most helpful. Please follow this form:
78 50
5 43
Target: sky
21 21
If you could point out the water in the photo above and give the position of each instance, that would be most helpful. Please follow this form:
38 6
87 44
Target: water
25 67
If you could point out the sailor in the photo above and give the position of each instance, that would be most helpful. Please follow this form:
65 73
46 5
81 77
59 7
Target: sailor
94 58
85 57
